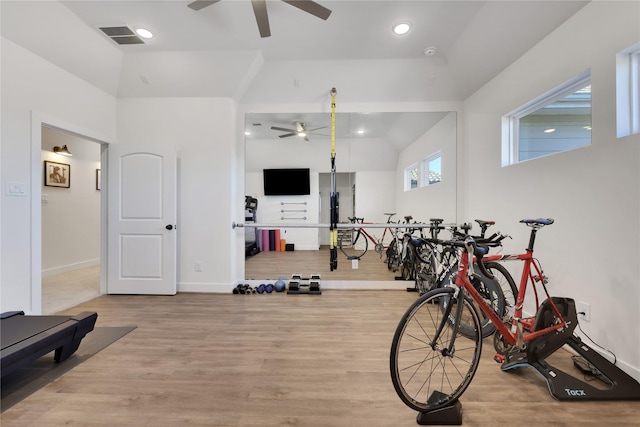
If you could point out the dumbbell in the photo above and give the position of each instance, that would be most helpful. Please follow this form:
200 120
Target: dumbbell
268 288
237 289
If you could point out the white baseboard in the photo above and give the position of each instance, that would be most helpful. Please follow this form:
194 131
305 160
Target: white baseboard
70 267
324 284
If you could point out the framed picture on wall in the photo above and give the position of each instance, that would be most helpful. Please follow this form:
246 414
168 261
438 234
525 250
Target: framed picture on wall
98 179
57 174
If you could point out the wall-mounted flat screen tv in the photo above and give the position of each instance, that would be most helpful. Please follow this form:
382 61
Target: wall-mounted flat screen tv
286 182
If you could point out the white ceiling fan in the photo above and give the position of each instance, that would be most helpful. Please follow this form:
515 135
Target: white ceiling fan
260 11
300 130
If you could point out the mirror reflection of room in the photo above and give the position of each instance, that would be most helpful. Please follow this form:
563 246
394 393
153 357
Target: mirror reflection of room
382 167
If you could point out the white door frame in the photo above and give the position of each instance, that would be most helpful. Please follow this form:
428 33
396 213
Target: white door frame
37 121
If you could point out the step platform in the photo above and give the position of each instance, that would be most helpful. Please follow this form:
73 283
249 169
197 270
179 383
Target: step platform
304 285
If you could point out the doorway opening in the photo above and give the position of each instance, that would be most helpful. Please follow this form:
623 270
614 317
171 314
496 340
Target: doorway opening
71 210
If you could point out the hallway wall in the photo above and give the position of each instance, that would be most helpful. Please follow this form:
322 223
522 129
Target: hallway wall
71 216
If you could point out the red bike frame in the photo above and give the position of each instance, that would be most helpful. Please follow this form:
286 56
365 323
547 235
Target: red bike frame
371 238
519 324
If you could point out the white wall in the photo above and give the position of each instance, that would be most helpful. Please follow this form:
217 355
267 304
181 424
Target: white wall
591 253
34 88
203 132
437 200
71 216
362 154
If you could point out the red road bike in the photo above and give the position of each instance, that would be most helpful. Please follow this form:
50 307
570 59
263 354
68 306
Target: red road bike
436 348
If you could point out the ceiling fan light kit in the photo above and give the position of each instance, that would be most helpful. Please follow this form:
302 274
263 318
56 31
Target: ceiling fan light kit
262 17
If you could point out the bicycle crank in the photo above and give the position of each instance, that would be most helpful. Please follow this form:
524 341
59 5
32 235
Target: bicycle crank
500 344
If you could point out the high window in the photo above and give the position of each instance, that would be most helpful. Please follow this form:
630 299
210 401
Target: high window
432 169
557 121
628 91
411 177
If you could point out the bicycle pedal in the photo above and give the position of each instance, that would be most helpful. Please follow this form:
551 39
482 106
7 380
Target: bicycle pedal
499 358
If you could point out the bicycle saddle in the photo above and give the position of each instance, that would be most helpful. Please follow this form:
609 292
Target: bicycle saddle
482 223
539 221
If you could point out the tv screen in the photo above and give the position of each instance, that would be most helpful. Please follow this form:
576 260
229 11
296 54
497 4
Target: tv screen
286 182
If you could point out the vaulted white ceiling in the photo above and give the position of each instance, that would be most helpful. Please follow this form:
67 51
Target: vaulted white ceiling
217 51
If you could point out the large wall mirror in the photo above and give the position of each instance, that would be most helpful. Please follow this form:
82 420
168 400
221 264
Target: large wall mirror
386 162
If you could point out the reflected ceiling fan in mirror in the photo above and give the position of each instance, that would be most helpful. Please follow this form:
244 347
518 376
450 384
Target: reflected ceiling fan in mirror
300 130
260 11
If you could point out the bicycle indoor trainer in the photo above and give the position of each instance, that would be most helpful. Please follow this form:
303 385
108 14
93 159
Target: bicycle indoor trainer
615 384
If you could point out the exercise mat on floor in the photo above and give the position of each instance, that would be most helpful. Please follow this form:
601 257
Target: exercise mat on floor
27 380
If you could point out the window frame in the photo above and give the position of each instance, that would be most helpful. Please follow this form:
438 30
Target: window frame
425 169
407 176
628 91
511 121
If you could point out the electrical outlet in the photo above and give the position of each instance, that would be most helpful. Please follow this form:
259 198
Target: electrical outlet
198 266
584 311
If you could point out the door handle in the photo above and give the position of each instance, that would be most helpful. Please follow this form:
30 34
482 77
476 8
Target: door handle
169 227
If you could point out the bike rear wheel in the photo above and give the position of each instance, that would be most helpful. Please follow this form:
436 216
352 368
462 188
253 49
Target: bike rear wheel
490 291
353 244
425 375
507 284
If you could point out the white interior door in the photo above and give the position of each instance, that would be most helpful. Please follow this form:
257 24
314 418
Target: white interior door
141 242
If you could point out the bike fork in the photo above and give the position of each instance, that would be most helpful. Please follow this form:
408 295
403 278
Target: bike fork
458 296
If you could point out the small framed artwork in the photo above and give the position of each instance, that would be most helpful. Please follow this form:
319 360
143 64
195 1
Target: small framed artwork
98 179
57 174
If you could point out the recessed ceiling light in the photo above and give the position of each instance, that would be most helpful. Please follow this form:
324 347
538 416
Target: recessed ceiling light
144 33
361 131
401 28
247 133
550 130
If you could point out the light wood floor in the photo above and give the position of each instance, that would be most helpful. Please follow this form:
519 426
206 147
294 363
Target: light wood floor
274 360
271 265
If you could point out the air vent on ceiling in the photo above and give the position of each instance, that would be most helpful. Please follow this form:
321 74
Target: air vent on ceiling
122 35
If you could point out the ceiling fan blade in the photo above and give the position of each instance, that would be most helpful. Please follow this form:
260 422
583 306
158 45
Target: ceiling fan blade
323 127
287 135
283 129
310 7
260 11
201 4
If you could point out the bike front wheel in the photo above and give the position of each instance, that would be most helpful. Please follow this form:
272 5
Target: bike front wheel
432 363
353 244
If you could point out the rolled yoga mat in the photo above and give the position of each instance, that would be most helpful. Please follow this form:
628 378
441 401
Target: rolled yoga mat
276 240
272 240
265 240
